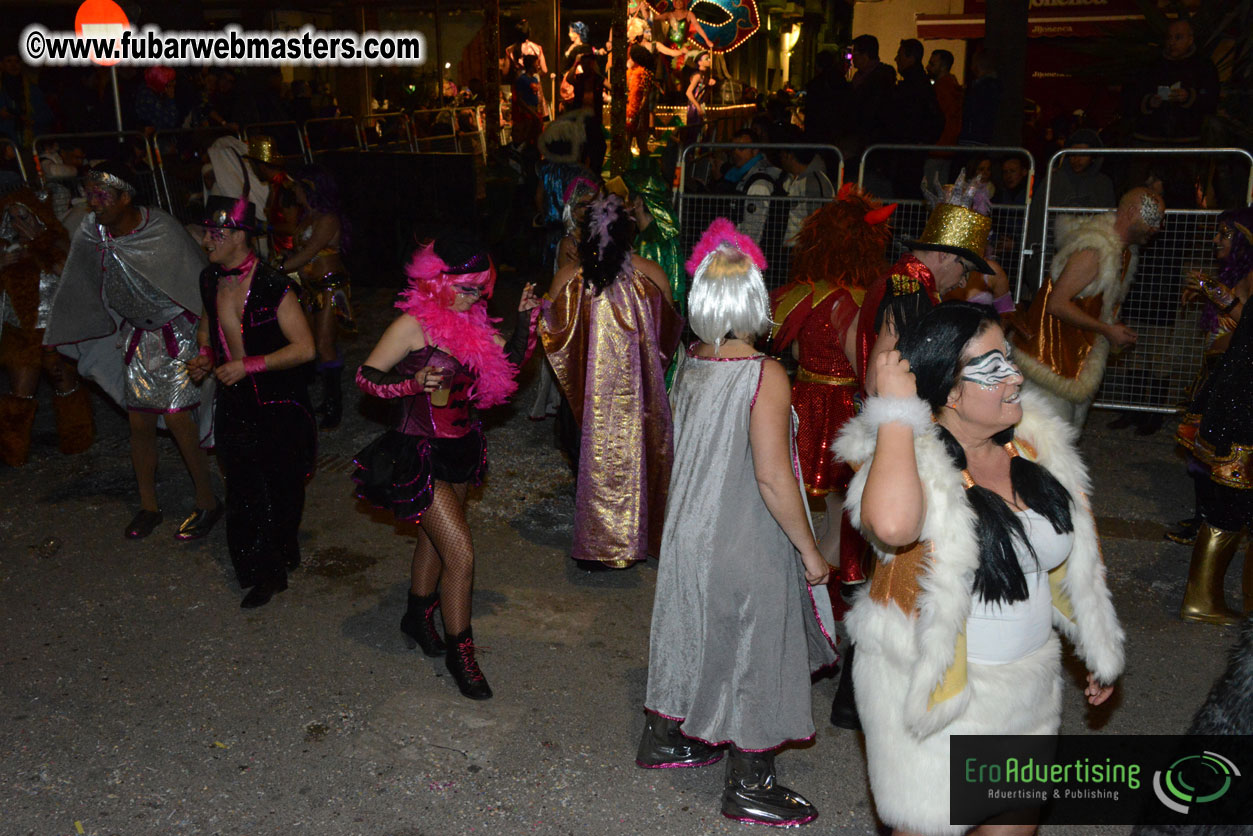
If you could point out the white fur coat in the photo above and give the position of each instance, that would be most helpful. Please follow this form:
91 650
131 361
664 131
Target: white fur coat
926 641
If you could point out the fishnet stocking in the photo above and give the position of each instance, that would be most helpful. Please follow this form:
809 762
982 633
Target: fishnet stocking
444 556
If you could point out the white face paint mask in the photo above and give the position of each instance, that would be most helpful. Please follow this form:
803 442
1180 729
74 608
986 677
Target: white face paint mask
989 370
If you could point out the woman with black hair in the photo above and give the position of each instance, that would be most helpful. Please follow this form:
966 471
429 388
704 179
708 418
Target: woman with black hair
974 500
609 331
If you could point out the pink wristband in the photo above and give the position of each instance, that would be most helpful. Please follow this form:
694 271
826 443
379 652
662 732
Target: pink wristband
206 351
254 364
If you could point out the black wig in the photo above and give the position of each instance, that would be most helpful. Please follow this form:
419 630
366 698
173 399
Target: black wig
935 348
607 233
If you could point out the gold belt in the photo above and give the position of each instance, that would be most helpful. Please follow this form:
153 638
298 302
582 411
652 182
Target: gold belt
804 375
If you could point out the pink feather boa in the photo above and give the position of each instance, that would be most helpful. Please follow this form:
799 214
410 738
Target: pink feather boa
723 231
469 337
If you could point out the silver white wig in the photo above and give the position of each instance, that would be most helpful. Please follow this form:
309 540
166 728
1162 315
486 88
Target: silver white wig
728 297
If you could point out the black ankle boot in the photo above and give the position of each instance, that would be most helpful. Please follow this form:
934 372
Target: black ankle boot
751 794
332 406
844 706
418 623
463 667
663 746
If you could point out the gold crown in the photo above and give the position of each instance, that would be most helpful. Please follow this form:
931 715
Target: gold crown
956 226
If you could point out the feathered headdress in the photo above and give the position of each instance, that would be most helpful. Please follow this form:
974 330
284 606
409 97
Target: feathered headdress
720 232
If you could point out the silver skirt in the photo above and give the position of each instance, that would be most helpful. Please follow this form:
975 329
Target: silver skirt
155 380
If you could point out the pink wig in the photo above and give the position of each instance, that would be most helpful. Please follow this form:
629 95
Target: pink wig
429 276
719 232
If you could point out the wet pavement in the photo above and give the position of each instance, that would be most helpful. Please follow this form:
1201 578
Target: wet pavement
137 698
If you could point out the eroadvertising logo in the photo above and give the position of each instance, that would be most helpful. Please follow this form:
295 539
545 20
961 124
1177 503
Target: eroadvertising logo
1194 779
1100 779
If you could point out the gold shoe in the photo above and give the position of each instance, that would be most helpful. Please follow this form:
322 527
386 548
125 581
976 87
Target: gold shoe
1203 599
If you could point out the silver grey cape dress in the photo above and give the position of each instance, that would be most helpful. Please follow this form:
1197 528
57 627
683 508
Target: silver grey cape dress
735 633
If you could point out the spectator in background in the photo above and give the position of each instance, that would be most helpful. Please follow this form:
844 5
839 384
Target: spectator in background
872 87
1176 92
983 102
24 113
752 174
1078 180
155 106
301 101
948 93
804 177
828 99
589 97
916 119
1014 172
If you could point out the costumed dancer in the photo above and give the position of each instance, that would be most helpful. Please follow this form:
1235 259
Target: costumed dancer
137 345
321 238
254 338
609 331
1218 433
30 268
439 358
813 315
1233 249
976 504
679 25
735 636
947 251
697 91
639 85
1065 338
577 197
651 204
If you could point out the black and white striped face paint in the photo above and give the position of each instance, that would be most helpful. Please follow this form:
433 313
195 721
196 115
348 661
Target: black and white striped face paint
991 369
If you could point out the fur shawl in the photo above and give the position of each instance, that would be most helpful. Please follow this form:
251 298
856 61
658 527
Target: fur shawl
1095 234
927 641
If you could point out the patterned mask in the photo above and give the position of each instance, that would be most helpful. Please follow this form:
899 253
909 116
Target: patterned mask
989 370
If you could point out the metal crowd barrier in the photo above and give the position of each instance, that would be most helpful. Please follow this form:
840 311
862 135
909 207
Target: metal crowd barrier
1154 374
289 140
697 205
386 132
434 129
471 129
132 147
1009 221
180 156
17 157
339 132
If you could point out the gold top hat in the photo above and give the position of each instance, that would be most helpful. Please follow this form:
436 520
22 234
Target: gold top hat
261 148
958 230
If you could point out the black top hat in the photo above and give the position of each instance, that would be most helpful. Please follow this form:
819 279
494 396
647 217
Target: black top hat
223 212
463 252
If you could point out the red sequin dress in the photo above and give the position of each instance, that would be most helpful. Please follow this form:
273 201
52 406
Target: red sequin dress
824 395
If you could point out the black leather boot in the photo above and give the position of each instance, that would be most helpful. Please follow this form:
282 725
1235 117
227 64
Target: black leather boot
418 623
663 746
844 706
751 794
463 667
332 406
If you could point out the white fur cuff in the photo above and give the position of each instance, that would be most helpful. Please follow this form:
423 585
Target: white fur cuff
912 412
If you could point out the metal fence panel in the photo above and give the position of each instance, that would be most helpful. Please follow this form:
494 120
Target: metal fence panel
333 133
434 130
1154 374
130 147
767 219
893 173
181 155
386 132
